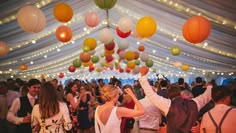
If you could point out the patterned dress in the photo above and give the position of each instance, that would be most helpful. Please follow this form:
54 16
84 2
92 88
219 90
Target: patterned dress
60 123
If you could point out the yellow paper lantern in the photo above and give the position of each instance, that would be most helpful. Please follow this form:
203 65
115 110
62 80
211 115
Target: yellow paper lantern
90 42
146 27
63 12
175 50
129 55
131 64
185 67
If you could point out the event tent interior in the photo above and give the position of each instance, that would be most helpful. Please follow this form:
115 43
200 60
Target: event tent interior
45 56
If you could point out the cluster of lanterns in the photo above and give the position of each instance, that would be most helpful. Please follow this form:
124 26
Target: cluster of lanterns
32 19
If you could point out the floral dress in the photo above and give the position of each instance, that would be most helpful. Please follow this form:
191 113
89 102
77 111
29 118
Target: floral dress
60 123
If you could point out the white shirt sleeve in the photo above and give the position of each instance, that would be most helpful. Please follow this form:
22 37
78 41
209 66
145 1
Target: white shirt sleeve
160 102
66 117
12 113
203 99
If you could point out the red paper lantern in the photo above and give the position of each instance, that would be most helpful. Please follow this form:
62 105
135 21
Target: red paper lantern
63 33
127 70
118 51
109 46
121 70
136 55
109 58
85 56
141 48
196 29
61 75
122 34
71 68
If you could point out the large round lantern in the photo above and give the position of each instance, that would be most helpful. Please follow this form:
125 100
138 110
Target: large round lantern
63 33
125 24
23 67
185 67
77 63
91 19
146 27
71 68
90 42
85 57
105 36
63 12
175 50
31 19
196 29
61 75
105 4
3 49
122 34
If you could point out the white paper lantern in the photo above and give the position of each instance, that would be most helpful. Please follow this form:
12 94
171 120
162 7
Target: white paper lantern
123 44
144 57
125 24
105 36
31 19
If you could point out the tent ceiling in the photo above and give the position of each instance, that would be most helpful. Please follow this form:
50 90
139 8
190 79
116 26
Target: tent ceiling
217 56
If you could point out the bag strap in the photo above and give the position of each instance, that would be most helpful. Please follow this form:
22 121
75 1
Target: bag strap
218 128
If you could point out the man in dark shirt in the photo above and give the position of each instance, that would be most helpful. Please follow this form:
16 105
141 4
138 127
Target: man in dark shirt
198 89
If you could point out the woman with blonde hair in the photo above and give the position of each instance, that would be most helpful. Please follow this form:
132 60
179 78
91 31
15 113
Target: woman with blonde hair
108 116
51 114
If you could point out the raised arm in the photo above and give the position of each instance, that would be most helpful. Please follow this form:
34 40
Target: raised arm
70 99
160 102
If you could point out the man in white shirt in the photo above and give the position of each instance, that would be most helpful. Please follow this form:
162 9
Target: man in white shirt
150 120
181 113
222 117
21 108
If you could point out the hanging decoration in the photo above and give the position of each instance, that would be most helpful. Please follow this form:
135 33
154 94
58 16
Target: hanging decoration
77 63
3 49
177 64
85 57
122 34
63 12
61 75
95 59
185 67
86 48
23 67
175 50
146 27
129 55
196 29
91 19
71 68
105 36
149 63
123 44
90 42
64 33
105 4
141 48
31 19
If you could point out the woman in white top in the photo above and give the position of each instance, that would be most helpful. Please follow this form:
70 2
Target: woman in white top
108 116
50 115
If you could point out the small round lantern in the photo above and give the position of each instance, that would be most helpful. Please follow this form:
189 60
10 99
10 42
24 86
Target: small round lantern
91 19
64 33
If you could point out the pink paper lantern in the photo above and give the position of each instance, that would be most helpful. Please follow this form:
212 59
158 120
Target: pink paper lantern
3 49
92 19
31 19
177 64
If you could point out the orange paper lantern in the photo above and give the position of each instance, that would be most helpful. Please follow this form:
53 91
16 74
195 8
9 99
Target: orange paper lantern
185 67
129 55
23 67
3 49
196 29
90 42
64 33
141 48
85 57
63 12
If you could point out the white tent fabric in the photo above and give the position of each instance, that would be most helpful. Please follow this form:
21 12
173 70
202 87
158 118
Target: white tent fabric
214 56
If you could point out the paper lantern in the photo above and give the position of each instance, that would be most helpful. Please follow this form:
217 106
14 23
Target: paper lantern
125 24
185 67
144 57
136 55
64 33
122 34
123 44
137 62
95 59
149 63
118 50
86 48
129 55
105 4
109 58
92 52
196 29
61 75
177 64
85 57
122 54
23 67
3 49
71 68
121 70
90 42
105 36
136 70
131 64
86 64
91 19
77 63
175 50
99 69
109 46
146 27
141 48
127 70
31 19
63 12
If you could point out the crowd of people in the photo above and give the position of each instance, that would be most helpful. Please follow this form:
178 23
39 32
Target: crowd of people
144 107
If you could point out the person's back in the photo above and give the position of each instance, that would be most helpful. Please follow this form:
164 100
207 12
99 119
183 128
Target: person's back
222 117
198 89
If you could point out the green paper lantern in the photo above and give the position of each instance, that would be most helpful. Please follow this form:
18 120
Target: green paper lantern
77 63
137 62
95 59
86 48
175 50
149 63
105 4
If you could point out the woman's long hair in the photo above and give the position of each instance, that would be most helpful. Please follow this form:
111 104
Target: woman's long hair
68 89
48 101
